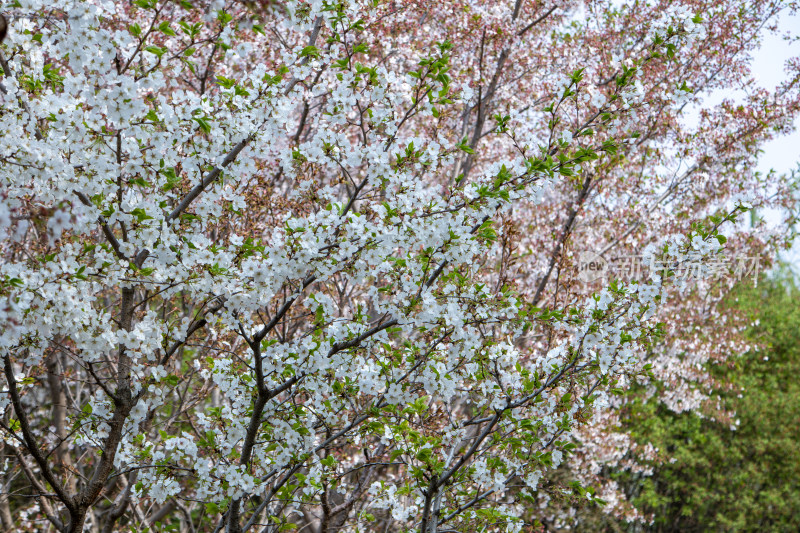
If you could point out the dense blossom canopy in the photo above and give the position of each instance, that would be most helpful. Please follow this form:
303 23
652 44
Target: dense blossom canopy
314 264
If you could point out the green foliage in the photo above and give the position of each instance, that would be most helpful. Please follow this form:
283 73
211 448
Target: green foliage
717 475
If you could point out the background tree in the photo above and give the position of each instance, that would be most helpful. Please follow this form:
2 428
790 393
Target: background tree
734 472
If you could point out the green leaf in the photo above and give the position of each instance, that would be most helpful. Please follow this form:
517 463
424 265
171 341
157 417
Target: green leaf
165 29
140 214
224 17
465 147
157 50
140 181
205 126
424 455
172 178
310 51
225 82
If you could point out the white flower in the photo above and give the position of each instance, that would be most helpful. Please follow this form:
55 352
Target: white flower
57 223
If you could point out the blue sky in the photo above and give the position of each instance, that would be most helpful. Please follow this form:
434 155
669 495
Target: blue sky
783 153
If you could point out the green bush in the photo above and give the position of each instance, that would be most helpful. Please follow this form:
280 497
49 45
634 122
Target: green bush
714 475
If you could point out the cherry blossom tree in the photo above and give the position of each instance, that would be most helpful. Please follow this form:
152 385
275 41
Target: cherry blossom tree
313 264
